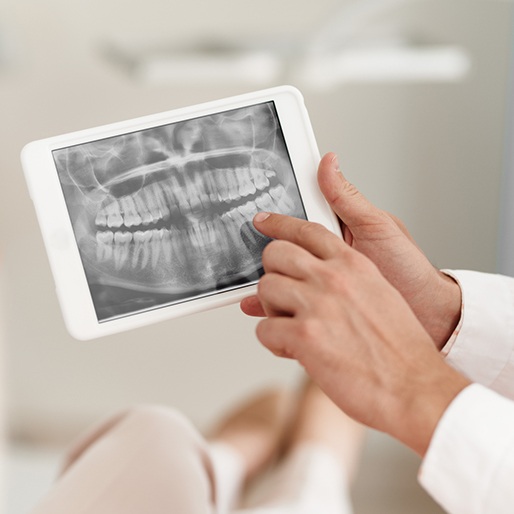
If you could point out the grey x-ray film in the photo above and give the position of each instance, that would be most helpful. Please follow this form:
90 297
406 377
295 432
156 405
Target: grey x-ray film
164 215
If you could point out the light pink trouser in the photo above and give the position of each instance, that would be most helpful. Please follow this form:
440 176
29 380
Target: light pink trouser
151 460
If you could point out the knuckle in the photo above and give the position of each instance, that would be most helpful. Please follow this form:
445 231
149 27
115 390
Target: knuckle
308 330
308 229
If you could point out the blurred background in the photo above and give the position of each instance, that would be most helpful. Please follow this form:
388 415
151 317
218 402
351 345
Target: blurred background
412 94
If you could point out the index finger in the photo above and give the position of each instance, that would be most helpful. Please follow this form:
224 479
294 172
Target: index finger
313 237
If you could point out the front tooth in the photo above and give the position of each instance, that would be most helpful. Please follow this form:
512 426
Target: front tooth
192 192
130 215
181 196
113 213
201 190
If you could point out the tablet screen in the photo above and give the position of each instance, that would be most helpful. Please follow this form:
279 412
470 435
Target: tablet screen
164 215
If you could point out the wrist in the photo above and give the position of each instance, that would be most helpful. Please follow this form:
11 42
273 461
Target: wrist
442 315
423 403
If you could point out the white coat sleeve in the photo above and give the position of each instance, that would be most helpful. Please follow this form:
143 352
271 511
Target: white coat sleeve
469 466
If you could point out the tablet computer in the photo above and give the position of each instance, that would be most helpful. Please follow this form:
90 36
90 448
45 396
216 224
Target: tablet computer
151 218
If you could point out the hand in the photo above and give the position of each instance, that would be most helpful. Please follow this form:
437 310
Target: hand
329 307
434 297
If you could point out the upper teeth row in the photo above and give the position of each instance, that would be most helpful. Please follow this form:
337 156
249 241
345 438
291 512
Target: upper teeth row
158 200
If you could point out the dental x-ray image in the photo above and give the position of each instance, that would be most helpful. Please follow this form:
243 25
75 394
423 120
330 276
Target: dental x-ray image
164 215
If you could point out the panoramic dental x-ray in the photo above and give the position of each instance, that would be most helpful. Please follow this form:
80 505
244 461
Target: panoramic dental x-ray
164 215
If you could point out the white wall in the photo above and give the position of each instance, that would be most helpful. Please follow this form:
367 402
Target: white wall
431 153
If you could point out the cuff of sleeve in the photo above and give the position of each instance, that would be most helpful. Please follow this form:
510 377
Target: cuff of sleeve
483 343
469 465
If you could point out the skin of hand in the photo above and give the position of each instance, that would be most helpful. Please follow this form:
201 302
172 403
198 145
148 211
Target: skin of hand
329 307
434 297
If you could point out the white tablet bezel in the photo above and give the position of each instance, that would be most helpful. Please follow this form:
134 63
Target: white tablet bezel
63 253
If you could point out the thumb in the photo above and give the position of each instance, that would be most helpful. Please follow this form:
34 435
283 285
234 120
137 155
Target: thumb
345 199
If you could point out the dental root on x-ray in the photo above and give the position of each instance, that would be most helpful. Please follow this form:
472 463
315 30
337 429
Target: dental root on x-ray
164 215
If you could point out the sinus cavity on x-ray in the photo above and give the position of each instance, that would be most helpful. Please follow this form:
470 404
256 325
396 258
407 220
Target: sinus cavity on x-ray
164 215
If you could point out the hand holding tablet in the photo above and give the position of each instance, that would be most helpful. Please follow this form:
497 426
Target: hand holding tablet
151 218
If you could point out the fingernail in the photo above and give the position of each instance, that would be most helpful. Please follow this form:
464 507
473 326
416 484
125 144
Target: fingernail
261 216
335 163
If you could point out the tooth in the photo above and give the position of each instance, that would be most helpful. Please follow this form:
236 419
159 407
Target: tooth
248 210
156 246
211 186
265 203
158 191
234 216
246 186
169 197
201 190
140 240
151 203
121 248
284 203
106 237
178 247
114 218
104 245
101 218
259 178
232 184
192 193
166 246
222 185
180 195
130 215
142 209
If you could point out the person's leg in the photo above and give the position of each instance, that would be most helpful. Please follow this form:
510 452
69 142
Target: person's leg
245 443
319 464
148 460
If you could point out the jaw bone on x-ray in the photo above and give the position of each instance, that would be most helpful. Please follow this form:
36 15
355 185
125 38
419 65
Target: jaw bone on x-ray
165 214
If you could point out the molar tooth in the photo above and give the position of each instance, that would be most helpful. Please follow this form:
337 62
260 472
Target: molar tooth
113 213
259 178
101 218
121 248
284 203
246 186
248 210
265 203
104 242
